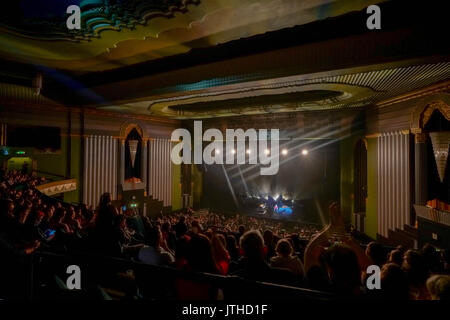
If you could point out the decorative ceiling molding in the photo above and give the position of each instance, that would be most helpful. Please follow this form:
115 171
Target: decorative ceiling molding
435 88
116 33
358 89
26 96
97 16
23 98
346 94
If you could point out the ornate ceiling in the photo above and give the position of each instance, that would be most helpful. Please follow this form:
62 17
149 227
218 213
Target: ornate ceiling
188 59
340 89
32 20
117 33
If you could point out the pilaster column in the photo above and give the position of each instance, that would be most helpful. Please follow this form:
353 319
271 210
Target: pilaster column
122 162
144 163
2 134
420 168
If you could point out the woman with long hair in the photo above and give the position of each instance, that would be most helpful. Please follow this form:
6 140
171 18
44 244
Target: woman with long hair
220 253
199 259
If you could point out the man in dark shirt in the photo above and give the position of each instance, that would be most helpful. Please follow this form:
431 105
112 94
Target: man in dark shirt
253 265
181 227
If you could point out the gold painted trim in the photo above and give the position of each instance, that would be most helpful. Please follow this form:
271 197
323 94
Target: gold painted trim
420 137
373 135
127 127
55 183
364 140
44 188
88 135
433 89
349 94
425 108
90 111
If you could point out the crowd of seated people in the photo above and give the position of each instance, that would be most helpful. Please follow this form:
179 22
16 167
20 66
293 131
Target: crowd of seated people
329 260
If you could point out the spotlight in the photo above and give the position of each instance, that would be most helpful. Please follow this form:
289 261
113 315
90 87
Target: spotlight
233 151
284 152
249 151
217 151
266 151
304 152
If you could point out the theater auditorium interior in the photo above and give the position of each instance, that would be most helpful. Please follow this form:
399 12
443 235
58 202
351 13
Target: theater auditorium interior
349 105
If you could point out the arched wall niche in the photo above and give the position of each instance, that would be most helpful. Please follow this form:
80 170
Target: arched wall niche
425 108
423 112
127 127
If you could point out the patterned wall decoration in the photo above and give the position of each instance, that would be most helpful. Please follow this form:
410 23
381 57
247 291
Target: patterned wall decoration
100 168
57 187
394 182
441 142
160 170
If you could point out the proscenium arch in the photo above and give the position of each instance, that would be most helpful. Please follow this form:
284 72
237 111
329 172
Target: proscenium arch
425 108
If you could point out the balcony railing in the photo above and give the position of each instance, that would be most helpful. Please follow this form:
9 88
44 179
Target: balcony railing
435 215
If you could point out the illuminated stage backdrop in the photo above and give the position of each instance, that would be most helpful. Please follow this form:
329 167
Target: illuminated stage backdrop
302 178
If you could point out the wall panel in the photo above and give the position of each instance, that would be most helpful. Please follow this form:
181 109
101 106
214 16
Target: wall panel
160 170
100 168
394 195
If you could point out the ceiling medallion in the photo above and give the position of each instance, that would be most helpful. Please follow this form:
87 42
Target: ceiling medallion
96 16
322 96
